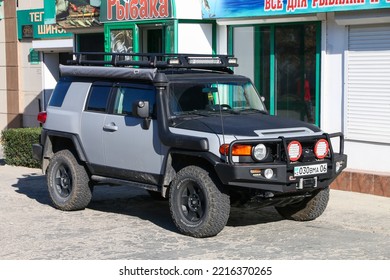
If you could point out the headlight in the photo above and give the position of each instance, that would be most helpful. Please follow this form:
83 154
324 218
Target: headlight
259 152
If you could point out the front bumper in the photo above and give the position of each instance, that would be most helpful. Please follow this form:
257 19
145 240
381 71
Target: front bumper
283 179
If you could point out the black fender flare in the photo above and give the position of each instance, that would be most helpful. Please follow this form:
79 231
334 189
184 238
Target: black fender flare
169 170
46 139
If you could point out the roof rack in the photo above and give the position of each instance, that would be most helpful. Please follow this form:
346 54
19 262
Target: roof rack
156 60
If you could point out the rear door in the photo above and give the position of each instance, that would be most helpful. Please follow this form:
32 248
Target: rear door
130 149
92 121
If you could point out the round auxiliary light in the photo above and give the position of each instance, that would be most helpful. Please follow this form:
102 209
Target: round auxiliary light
259 152
321 149
294 150
268 173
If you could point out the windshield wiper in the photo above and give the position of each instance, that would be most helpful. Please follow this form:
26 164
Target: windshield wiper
194 112
251 111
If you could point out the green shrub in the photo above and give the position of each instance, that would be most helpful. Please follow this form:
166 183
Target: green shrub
17 148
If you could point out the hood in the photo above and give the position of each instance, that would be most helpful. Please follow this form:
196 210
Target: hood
246 124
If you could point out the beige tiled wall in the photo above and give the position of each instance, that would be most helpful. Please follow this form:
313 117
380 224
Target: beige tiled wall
30 81
3 77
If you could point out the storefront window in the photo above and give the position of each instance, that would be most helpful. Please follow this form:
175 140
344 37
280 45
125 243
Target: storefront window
91 42
286 69
138 38
263 75
122 41
295 71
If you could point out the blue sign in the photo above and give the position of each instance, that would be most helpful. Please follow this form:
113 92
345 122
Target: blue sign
256 8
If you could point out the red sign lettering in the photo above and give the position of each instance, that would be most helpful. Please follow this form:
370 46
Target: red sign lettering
292 5
138 9
273 5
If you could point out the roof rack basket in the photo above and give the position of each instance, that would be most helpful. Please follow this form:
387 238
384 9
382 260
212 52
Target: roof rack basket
156 60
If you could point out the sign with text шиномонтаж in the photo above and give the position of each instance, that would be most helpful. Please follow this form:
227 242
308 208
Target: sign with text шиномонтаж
31 25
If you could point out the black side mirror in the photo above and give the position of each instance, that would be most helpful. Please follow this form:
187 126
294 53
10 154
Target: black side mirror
141 110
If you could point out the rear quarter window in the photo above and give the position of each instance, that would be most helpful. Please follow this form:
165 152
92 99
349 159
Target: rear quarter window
98 98
59 93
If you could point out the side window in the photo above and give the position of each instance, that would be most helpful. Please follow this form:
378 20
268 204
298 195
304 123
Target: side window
59 93
98 98
127 95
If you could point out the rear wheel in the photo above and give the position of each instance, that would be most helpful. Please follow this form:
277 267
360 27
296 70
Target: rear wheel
198 206
68 182
308 209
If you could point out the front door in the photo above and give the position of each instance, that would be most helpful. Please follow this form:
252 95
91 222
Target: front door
129 148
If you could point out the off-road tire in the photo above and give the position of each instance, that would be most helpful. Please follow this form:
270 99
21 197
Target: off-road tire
68 182
199 207
308 209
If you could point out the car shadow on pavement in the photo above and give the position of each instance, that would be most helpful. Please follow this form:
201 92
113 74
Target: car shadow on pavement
137 202
134 202
253 216
33 186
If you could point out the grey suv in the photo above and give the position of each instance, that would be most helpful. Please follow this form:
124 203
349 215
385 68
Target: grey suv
186 128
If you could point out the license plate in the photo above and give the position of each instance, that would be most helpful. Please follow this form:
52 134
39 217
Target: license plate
310 169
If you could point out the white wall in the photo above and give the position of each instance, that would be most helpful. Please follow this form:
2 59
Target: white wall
222 39
188 9
334 42
243 49
189 33
362 156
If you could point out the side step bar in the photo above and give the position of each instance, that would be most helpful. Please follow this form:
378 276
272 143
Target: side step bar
108 180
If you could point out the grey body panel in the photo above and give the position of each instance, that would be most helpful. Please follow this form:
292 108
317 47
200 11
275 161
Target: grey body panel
128 146
67 117
91 133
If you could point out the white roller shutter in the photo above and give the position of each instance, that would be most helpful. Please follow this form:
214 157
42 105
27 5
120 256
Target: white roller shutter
368 84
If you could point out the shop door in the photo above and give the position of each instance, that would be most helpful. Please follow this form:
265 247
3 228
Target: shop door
151 39
295 71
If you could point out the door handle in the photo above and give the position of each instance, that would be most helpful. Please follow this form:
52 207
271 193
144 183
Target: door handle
110 127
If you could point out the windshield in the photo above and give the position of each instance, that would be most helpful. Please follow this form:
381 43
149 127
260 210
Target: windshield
205 98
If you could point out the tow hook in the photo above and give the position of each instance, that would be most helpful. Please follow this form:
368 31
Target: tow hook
307 183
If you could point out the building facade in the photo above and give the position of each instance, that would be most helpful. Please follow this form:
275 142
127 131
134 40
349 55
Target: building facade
10 113
40 35
320 61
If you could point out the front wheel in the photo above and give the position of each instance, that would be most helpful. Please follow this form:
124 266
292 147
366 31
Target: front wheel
198 207
68 182
308 209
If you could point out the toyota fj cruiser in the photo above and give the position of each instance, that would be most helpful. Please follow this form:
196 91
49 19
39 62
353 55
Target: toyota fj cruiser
184 127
